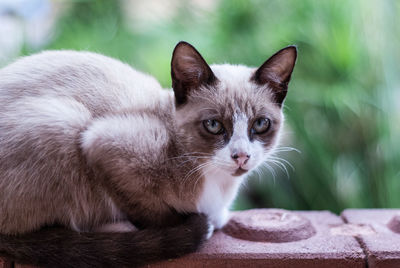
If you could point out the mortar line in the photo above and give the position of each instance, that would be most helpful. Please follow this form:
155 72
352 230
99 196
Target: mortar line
360 243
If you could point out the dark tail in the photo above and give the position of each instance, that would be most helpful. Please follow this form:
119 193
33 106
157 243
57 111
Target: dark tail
58 247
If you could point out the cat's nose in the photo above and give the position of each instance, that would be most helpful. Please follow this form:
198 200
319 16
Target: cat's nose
240 158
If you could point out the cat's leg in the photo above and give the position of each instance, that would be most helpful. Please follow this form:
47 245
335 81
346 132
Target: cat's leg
219 191
210 230
127 154
219 220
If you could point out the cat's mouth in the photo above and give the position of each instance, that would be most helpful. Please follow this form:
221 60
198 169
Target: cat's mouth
240 171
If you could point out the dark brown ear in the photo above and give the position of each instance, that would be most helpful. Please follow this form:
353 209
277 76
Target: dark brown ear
276 72
189 71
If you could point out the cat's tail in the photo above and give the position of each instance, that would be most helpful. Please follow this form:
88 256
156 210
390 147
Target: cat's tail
58 247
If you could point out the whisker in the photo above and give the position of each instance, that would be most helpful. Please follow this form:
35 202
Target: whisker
196 169
258 171
286 149
191 159
197 179
280 165
283 160
270 169
192 154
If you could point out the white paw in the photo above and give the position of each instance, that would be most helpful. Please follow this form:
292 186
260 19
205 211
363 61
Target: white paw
220 219
210 230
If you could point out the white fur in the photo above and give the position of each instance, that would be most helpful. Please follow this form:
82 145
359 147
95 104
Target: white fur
219 191
240 142
220 186
234 77
126 128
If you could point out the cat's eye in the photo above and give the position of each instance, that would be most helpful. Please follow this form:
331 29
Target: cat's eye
213 126
261 125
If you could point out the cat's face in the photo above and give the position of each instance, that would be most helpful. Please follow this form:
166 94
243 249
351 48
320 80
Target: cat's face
228 116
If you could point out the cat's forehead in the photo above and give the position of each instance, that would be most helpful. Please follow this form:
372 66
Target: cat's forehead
233 75
235 93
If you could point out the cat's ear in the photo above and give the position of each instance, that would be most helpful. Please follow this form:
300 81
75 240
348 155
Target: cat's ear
189 71
276 72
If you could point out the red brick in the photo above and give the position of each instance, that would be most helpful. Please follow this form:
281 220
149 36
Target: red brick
382 245
275 238
327 247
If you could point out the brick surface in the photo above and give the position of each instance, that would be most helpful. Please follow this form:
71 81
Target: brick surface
5 263
382 243
278 238
327 247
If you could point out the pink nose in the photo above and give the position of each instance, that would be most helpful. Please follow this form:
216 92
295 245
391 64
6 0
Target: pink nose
240 158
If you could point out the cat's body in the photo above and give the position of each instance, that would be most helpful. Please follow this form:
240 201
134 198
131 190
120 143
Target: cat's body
90 144
52 117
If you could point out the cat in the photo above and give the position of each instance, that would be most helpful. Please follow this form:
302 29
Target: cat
102 167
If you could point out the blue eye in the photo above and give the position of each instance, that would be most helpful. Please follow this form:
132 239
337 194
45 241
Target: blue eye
261 125
213 126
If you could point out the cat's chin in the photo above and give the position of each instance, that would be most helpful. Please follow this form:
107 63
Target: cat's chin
239 172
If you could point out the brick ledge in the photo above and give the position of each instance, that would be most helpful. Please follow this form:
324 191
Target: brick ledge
357 238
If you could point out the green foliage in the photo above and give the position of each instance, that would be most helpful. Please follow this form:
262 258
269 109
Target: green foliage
342 108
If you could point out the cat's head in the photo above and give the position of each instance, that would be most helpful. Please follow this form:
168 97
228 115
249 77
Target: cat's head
229 116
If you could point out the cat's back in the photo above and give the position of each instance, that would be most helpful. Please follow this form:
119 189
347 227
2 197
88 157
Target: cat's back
100 83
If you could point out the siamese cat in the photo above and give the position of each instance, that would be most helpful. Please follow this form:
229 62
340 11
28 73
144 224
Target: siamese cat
101 167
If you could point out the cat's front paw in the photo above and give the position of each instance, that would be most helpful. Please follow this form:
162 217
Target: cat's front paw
220 219
210 230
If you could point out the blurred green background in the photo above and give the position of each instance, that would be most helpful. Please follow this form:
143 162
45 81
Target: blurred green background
343 107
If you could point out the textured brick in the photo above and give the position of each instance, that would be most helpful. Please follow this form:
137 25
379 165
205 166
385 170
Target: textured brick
382 244
327 247
278 238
